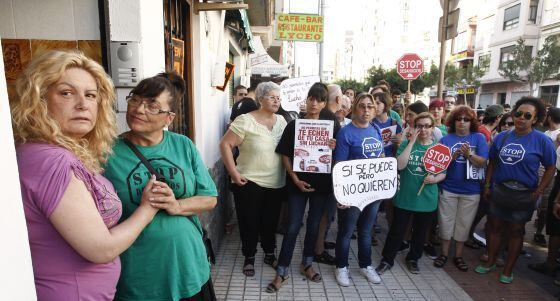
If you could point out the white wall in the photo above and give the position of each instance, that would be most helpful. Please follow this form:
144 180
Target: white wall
211 104
49 20
138 21
16 272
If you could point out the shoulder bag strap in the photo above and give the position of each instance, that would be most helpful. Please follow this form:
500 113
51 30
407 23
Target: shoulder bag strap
145 161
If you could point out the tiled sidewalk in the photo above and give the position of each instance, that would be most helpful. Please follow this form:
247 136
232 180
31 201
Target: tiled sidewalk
397 284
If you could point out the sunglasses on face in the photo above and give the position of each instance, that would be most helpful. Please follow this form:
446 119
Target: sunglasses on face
464 119
526 115
423 126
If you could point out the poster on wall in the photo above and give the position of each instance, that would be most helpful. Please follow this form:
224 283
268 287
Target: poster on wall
178 56
311 149
227 75
293 92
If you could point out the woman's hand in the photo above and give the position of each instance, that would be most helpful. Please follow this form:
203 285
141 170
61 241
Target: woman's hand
556 210
340 206
164 198
147 194
486 194
238 179
303 186
465 149
430 179
413 135
332 144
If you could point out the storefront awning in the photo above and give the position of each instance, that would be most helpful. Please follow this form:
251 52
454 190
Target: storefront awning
247 29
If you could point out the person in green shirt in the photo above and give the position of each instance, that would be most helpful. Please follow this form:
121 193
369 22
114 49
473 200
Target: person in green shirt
168 261
408 204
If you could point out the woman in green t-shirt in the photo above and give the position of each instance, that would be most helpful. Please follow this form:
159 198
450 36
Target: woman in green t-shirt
168 261
408 204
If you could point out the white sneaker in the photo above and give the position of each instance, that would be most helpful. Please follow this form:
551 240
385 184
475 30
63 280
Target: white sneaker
370 274
342 276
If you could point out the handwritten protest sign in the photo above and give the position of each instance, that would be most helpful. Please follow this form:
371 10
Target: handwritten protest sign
388 133
311 150
361 182
293 92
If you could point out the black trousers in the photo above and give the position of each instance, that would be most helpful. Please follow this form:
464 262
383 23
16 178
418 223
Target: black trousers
257 211
421 222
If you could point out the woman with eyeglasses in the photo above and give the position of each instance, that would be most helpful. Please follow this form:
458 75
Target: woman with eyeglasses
408 204
358 140
460 194
515 157
258 176
168 261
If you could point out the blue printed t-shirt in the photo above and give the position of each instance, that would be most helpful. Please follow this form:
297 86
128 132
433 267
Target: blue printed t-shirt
358 143
519 157
411 179
168 259
456 178
389 149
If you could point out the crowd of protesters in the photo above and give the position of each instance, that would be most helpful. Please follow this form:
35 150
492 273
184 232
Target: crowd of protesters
135 214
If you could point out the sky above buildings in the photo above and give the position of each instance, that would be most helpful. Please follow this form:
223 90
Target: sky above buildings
361 33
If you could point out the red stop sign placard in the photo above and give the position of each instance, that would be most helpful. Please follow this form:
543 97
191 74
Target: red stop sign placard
437 158
410 66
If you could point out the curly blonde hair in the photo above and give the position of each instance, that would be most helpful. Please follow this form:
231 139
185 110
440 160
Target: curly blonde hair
30 118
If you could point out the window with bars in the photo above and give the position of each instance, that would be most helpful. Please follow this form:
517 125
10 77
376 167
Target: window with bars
511 17
549 94
484 62
533 11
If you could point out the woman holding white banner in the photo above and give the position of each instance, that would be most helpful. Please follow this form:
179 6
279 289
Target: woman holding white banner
304 186
408 205
358 140
460 194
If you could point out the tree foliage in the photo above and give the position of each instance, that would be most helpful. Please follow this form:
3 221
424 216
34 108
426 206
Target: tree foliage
351 83
524 68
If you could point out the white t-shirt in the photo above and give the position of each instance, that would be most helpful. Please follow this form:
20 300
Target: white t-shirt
554 135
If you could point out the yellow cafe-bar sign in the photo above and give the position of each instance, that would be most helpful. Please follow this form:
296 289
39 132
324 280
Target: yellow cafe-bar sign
469 90
299 27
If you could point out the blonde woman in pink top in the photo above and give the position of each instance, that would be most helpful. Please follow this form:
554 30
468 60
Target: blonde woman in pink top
64 125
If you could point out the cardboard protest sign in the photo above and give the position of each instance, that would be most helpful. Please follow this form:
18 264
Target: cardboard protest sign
388 133
311 150
293 92
436 160
361 182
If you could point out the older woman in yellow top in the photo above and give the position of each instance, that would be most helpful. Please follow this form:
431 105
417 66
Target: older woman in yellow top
258 175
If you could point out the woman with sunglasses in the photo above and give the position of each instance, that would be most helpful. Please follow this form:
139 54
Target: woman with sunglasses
506 123
258 177
515 157
408 204
460 195
358 140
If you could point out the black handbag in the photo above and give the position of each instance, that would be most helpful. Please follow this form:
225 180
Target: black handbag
205 239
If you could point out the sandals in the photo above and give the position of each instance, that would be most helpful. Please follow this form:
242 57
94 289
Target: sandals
472 244
440 261
460 264
316 277
273 288
271 260
485 270
249 266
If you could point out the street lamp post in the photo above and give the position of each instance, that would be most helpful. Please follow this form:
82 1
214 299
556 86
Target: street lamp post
443 30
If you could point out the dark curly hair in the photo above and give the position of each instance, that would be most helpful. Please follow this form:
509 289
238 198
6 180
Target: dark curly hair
457 112
533 101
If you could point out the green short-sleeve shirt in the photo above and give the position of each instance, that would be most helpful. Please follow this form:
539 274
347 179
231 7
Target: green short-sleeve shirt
168 260
411 179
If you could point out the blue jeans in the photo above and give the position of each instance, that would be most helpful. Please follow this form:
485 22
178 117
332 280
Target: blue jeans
347 220
297 201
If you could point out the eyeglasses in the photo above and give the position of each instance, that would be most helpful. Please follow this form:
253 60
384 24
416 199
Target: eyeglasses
364 107
509 123
423 126
463 119
526 115
272 97
150 105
